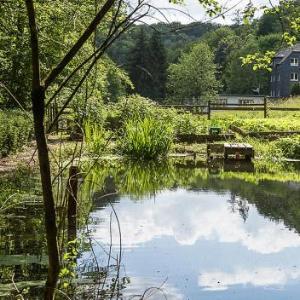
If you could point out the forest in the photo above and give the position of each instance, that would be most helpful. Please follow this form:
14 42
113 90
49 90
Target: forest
124 141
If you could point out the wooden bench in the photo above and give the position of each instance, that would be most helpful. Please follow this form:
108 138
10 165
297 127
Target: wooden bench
237 150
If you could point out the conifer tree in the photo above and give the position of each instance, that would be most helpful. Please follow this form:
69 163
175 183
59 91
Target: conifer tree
158 66
139 72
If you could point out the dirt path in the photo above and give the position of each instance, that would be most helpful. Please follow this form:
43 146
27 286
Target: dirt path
25 157
28 156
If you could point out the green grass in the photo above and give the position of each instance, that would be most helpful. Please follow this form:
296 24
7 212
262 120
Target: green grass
270 124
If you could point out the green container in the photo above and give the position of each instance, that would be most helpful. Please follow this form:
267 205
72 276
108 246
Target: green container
214 130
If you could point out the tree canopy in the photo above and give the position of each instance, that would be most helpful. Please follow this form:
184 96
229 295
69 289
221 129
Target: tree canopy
194 75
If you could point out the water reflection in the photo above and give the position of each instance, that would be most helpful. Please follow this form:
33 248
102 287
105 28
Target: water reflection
189 231
206 234
260 277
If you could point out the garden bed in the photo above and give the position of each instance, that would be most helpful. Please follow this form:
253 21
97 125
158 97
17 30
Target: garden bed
270 135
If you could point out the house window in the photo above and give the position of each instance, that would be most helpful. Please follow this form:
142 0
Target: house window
278 77
294 77
294 62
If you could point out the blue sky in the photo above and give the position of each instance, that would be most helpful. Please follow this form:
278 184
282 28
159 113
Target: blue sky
194 9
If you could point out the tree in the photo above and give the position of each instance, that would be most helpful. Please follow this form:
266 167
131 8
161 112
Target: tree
268 24
194 75
139 62
242 79
223 41
40 87
158 66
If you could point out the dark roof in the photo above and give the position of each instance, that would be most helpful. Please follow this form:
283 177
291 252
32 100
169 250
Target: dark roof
285 53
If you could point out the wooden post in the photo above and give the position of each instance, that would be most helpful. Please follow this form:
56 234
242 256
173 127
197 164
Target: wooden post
72 188
265 107
209 109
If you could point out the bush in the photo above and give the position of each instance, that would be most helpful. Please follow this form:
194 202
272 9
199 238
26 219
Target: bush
134 106
290 147
15 131
147 138
295 90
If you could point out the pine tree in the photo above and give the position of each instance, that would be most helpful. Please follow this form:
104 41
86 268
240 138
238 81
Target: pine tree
158 66
138 68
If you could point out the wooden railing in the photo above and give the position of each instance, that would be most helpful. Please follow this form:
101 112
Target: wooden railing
211 106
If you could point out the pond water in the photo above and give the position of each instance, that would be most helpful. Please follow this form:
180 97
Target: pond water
186 233
205 243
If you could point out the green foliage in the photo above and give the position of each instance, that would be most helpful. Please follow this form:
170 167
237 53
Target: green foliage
158 66
147 138
68 270
270 124
139 62
290 147
194 75
95 137
222 41
148 65
15 131
295 90
242 79
57 34
268 24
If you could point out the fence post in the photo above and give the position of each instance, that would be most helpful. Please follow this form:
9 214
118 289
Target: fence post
265 107
209 109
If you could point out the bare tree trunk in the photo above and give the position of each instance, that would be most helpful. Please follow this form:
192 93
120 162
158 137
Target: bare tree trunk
38 100
38 108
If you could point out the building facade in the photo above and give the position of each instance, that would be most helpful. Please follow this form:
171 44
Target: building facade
285 71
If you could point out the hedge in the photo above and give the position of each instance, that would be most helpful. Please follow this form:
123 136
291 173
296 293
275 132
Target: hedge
15 131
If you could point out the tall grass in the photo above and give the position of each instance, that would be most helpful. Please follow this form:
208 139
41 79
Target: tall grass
95 137
147 138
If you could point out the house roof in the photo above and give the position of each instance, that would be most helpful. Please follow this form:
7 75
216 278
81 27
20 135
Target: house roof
285 53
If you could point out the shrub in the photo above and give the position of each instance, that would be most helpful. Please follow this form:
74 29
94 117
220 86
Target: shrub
15 131
133 106
295 90
147 138
290 147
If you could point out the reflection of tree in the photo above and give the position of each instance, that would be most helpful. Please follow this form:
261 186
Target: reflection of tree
239 205
273 199
22 249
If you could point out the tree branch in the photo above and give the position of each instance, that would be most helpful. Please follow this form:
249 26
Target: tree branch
80 42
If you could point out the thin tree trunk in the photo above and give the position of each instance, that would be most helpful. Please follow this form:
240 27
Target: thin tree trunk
38 108
38 100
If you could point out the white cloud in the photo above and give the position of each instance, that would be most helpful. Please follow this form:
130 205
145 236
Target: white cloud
261 277
191 217
162 289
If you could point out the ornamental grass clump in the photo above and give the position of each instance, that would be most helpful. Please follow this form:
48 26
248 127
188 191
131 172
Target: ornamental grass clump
147 138
95 137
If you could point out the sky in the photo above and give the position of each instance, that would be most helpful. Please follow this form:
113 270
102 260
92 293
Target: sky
192 10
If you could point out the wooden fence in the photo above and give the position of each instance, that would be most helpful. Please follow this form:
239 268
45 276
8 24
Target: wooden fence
265 105
212 106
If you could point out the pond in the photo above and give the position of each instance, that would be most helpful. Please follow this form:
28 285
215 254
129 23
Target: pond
179 232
